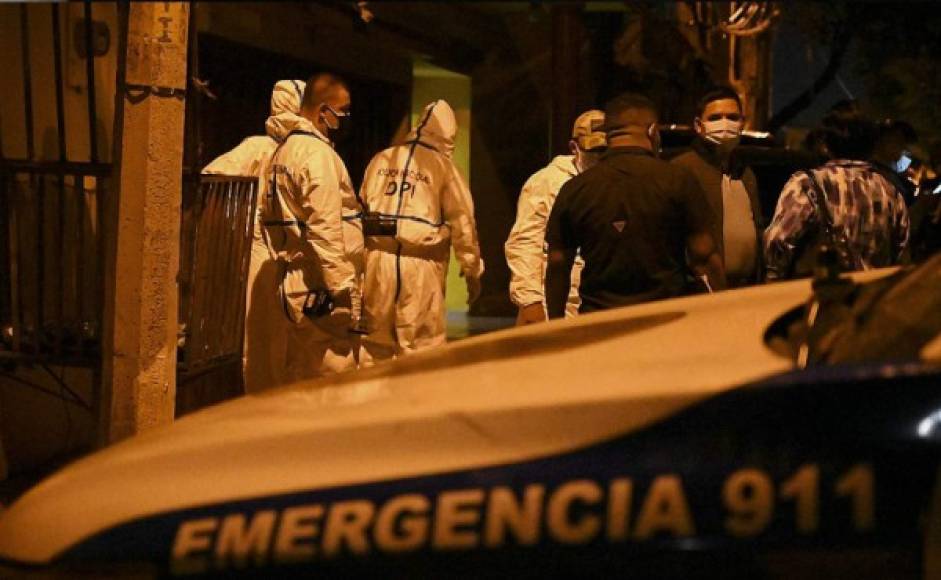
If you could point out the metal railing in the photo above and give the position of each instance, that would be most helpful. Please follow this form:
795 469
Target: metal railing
53 224
216 237
51 280
51 212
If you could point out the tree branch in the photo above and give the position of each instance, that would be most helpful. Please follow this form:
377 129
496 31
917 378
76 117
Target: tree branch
840 44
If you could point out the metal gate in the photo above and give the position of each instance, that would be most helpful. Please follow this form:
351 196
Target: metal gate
214 257
51 216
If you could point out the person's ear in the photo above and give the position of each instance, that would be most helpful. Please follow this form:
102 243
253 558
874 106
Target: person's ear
573 147
697 126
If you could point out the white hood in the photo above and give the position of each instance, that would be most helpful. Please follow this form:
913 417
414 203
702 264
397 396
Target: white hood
285 107
565 164
436 127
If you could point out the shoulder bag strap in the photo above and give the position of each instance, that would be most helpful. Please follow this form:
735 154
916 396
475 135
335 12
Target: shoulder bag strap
818 200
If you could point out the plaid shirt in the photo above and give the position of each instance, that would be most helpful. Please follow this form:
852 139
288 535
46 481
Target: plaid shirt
868 210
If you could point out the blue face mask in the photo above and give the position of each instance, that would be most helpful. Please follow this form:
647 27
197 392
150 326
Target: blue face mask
903 163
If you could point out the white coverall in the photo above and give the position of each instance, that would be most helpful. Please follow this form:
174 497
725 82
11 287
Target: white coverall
310 190
417 186
525 251
266 336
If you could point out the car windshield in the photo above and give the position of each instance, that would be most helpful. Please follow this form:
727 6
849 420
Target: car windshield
896 318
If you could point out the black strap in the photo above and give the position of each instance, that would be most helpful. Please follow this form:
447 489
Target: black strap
422 144
308 134
411 218
297 223
408 161
297 89
411 153
818 200
273 187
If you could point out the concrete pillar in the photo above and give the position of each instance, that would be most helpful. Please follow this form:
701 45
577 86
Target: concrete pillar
143 229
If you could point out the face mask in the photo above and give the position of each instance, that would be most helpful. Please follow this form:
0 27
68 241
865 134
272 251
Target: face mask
723 132
903 163
586 159
339 129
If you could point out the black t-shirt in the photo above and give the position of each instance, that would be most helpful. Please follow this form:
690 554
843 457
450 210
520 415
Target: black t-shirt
630 216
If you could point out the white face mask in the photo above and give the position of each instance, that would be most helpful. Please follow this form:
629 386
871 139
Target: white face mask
722 131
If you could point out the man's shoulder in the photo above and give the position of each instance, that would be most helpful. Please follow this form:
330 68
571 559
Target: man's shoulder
556 172
258 141
579 181
255 145
683 167
687 158
694 162
307 142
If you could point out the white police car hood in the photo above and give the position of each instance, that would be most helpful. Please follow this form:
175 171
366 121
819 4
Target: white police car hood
506 397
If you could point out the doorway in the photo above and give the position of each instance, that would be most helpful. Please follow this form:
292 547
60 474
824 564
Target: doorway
431 82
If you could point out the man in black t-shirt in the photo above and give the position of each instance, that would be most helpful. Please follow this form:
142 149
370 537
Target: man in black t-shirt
637 220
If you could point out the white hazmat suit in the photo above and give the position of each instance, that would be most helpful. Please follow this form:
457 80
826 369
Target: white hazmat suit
416 187
250 156
309 192
525 250
266 335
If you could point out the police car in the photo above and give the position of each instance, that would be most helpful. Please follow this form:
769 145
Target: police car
781 431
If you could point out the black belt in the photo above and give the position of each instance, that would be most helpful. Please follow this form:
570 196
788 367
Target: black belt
300 224
297 223
413 219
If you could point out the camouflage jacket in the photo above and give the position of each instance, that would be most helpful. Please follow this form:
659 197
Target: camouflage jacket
864 206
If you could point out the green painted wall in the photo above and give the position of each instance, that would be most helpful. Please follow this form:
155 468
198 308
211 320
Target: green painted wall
430 83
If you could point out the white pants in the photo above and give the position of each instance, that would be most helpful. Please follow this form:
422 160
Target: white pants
264 360
404 301
319 347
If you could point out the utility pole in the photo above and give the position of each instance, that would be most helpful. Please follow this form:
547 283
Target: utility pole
143 225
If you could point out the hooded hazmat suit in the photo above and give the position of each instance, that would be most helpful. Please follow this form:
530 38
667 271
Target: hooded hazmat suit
266 336
308 193
416 187
250 156
525 247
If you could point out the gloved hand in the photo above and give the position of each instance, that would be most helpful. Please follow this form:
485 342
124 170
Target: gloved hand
531 314
473 288
341 317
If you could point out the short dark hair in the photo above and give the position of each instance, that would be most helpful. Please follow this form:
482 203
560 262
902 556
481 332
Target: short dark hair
719 93
616 108
849 135
320 87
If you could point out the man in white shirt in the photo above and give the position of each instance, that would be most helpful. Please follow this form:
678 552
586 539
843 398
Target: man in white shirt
525 252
